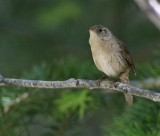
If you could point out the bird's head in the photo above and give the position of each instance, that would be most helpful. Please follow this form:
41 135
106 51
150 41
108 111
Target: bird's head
100 32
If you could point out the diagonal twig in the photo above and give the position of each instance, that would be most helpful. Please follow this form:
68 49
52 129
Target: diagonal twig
152 10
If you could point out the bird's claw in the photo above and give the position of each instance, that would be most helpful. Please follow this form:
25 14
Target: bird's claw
112 81
99 80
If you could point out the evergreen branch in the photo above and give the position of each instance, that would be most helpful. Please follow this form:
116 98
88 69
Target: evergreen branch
81 83
19 99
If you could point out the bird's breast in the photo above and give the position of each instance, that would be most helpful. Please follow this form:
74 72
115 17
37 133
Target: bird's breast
108 60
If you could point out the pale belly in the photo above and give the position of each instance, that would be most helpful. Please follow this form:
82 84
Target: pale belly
111 64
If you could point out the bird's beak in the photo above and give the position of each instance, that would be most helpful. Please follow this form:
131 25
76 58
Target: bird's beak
91 29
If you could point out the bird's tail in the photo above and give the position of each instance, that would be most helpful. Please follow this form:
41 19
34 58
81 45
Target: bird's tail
129 98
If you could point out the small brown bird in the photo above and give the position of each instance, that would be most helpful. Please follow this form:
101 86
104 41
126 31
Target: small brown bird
111 56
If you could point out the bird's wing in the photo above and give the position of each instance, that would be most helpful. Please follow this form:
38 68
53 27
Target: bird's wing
127 56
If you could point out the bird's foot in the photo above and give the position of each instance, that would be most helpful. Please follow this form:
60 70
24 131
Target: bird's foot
99 80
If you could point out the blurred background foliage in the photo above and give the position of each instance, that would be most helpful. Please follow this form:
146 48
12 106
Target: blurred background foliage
48 40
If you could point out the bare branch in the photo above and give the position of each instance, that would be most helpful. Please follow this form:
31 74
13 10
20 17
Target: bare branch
152 10
81 83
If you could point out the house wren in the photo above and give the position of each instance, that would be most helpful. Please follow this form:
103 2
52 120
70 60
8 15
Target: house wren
111 56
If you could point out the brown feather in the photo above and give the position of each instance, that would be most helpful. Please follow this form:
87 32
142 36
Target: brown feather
126 55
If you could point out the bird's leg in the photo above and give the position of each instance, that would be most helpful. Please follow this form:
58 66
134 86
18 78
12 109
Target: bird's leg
113 81
99 80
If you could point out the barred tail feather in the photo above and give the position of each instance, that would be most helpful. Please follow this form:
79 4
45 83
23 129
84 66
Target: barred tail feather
129 99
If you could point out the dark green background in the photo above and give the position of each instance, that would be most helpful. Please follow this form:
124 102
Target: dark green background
48 40
44 30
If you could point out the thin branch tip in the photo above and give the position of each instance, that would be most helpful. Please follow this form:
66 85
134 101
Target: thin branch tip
1 78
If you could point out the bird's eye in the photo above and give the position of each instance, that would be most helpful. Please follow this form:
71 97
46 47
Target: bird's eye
100 30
